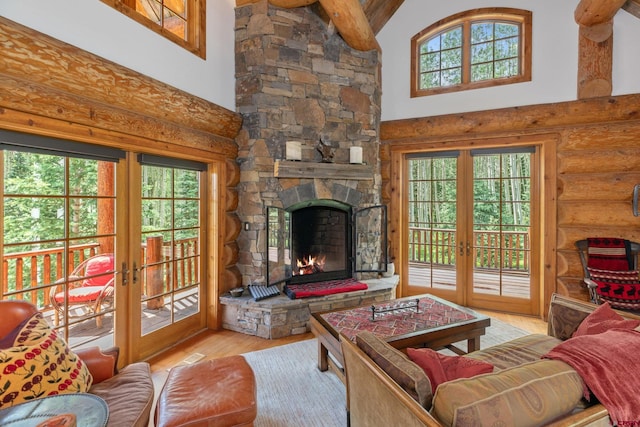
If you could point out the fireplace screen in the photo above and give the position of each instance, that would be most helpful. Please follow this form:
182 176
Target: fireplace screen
324 241
278 246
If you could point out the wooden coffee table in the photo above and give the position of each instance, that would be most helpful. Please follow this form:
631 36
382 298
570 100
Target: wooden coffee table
435 323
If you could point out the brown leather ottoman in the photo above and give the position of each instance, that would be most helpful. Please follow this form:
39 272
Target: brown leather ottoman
220 392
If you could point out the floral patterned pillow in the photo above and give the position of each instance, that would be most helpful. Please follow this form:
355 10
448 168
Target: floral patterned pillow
37 363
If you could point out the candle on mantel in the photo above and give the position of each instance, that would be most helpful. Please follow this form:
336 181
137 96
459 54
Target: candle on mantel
355 155
293 150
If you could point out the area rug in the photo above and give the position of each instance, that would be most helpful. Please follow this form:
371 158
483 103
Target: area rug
293 392
317 289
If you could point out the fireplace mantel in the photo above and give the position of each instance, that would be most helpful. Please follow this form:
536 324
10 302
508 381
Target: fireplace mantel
293 169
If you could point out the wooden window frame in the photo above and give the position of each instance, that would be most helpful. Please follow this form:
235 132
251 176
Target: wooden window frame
195 24
465 19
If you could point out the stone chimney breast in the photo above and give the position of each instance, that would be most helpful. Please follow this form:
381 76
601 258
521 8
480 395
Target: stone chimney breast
297 80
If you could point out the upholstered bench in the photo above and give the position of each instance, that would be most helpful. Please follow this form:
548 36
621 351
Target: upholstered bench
219 392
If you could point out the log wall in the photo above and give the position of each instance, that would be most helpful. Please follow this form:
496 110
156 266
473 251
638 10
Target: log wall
50 88
597 165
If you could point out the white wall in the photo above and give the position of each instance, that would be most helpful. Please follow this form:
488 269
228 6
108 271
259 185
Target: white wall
97 28
554 61
626 54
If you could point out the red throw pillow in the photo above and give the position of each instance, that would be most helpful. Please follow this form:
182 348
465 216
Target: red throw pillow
602 319
441 368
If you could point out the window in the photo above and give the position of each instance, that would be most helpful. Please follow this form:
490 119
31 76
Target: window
472 49
181 21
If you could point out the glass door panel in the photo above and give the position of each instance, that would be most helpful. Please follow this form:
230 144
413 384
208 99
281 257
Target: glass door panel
170 246
432 194
502 224
167 254
279 268
370 239
59 239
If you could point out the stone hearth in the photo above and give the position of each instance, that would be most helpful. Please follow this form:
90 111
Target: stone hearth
280 316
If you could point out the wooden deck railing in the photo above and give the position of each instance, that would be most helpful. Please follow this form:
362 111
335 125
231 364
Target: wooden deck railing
28 275
493 250
182 272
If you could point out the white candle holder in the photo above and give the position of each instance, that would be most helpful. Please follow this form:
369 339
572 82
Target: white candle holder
293 150
355 155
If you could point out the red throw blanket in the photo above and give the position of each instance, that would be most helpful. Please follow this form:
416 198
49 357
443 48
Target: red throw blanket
317 289
610 367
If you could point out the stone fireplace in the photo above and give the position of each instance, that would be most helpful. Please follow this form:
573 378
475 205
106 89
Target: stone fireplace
297 80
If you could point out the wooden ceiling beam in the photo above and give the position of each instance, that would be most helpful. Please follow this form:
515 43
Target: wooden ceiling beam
289 4
347 16
594 12
352 24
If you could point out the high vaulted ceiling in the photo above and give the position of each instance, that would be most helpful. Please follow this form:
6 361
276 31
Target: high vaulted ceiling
358 21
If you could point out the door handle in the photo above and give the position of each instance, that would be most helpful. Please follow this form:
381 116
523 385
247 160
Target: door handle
125 274
462 248
135 273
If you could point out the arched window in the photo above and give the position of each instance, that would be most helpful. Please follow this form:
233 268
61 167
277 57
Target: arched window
472 49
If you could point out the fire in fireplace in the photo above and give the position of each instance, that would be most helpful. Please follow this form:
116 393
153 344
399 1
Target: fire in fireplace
310 265
321 243
324 240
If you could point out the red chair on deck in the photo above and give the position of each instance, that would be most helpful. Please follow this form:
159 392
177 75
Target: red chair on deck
610 267
90 286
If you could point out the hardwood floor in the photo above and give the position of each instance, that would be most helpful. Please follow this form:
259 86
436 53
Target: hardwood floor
216 344
534 325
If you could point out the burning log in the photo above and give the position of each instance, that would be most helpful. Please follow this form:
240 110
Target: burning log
311 265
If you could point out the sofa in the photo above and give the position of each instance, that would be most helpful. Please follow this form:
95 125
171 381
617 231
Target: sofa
385 387
129 392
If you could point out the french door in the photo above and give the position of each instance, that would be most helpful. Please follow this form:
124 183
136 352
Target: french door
166 251
107 244
470 226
